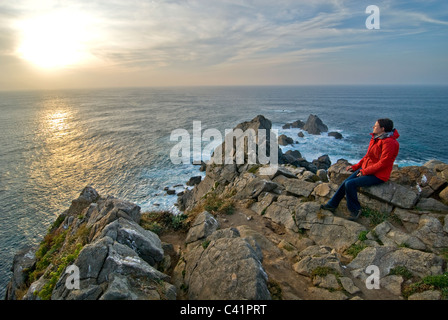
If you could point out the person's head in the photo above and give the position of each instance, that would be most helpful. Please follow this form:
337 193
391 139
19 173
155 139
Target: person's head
383 125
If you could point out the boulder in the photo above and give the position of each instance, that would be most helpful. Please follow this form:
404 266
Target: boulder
227 269
299 188
324 190
374 204
240 132
327 282
436 165
282 211
421 179
323 162
103 212
88 195
219 172
444 195
395 194
144 242
314 125
117 262
255 187
426 295
338 173
264 200
282 171
419 263
284 140
100 263
194 180
392 284
203 226
348 285
317 256
409 219
191 197
24 259
293 155
431 204
391 236
322 175
295 124
335 134
325 228
431 232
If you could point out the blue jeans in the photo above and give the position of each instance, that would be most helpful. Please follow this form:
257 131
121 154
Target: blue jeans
349 189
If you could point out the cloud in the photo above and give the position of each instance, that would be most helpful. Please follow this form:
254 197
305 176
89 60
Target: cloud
195 33
202 37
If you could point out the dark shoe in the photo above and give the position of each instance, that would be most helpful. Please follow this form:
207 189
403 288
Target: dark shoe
355 216
328 207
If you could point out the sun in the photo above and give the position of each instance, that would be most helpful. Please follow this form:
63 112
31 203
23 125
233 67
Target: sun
54 40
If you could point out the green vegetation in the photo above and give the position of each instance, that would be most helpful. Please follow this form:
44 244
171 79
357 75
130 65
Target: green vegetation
254 168
376 217
324 271
205 244
363 235
357 247
59 249
436 282
275 290
401 271
216 204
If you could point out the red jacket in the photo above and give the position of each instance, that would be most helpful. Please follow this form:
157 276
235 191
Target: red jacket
380 157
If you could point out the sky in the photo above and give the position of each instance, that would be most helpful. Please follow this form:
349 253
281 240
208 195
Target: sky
49 44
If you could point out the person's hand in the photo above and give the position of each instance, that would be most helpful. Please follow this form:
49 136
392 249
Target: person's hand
359 174
349 168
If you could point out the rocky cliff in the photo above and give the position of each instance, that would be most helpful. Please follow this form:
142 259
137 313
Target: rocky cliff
244 235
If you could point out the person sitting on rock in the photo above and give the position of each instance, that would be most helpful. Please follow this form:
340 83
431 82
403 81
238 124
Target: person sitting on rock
374 168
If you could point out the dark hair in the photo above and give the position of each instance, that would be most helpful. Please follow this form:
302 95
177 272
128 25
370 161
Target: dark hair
387 124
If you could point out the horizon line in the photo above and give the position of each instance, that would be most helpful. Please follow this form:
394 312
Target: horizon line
231 86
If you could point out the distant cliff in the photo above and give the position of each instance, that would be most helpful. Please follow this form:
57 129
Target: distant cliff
244 235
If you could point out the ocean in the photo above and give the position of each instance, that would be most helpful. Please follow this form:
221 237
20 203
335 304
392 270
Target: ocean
54 143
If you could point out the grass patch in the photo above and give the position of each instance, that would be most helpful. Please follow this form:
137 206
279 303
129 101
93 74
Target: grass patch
275 290
164 221
401 271
216 204
323 272
363 235
254 168
376 217
59 249
205 244
437 282
357 247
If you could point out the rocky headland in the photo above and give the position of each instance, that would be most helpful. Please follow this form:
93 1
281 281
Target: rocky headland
245 235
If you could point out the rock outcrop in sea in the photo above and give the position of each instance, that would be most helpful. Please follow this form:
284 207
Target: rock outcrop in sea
245 235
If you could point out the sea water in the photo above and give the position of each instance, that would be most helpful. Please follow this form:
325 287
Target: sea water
54 143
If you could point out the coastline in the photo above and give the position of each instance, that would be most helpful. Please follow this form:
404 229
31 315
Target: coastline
268 223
